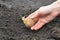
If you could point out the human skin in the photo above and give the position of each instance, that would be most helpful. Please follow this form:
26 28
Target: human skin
45 14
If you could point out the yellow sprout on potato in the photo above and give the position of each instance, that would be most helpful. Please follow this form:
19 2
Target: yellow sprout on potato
28 22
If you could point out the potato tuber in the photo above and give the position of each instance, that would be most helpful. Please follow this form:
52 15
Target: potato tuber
28 22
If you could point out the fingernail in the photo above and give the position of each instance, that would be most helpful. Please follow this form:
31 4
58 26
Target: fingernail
31 28
32 17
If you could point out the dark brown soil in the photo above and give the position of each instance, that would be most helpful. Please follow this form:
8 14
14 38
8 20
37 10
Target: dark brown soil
12 27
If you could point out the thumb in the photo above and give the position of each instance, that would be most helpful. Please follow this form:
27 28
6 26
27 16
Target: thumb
42 11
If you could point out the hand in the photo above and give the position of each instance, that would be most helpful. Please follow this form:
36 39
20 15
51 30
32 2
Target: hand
44 15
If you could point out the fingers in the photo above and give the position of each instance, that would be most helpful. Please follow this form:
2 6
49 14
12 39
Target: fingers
34 16
38 25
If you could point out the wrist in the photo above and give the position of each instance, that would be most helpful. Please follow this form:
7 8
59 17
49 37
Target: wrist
55 5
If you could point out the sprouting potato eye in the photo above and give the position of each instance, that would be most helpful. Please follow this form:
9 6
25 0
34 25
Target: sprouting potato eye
28 22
